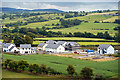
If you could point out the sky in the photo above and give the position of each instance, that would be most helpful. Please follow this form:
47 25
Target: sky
60 0
64 5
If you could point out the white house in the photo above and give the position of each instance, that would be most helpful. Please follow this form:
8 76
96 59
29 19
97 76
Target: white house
41 46
105 49
8 47
27 49
54 48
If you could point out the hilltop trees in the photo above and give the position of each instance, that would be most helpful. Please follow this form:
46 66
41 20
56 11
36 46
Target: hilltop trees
69 23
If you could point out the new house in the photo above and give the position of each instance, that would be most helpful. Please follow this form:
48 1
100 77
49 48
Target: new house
41 46
105 49
54 48
8 47
27 49
72 46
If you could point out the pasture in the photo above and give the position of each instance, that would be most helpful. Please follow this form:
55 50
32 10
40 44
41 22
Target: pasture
10 74
70 38
108 68
90 27
84 43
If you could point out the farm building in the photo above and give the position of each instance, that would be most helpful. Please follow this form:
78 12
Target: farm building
54 48
8 47
41 46
72 46
50 42
27 49
105 49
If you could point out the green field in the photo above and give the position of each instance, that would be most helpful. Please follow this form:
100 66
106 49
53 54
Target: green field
69 38
84 43
10 74
109 68
83 27
41 24
92 18
97 43
90 27
87 42
111 19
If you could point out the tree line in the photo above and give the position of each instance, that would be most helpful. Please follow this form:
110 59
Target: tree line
30 20
22 65
70 23
26 35
22 15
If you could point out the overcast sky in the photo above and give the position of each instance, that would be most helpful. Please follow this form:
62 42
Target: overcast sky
60 0
65 5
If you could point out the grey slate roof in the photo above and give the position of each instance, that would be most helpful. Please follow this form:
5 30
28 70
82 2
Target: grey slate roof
7 45
25 45
61 42
52 46
41 44
50 42
104 46
73 43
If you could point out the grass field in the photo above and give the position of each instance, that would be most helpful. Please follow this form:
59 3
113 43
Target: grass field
10 74
111 19
109 68
41 24
84 43
90 27
68 38
83 27
92 18
97 43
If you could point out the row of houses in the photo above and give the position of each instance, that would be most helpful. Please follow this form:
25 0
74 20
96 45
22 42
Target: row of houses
24 48
53 47
59 46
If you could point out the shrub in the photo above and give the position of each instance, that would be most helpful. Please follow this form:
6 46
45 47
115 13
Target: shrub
22 64
70 70
87 73
43 69
99 77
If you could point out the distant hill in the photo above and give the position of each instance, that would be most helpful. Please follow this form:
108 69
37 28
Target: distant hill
7 9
